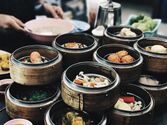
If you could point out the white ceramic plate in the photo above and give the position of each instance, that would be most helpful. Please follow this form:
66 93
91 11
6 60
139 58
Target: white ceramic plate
80 26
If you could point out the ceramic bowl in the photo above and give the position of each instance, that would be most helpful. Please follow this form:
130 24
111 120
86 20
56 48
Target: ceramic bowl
45 30
18 121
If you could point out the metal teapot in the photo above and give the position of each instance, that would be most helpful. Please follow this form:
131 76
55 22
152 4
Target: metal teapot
109 14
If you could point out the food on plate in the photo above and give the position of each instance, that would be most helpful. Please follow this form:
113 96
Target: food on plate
143 23
126 32
156 49
4 61
34 58
35 95
120 57
91 80
146 80
74 45
128 103
73 118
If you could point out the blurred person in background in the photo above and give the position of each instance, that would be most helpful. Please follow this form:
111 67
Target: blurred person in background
92 10
160 10
13 15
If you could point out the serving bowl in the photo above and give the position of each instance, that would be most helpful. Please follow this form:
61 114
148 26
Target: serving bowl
59 109
36 74
158 90
146 33
44 30
18 121
139 117
89 98
4 83
153 62
111 37
74 55
30 102
128 72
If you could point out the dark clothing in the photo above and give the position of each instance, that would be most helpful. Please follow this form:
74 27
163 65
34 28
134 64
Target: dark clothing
160 10
23 10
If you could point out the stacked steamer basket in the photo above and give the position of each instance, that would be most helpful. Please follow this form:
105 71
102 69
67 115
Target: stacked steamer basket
86 89
134 105
75 47
80 101
116 35
128 72
35 77
154 52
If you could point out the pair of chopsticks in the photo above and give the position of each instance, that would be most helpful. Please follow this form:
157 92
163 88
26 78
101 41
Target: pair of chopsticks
1 110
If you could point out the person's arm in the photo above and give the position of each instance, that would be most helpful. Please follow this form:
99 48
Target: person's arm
7 21
55 11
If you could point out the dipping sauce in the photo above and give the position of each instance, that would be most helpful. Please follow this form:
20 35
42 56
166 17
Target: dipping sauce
74 45
4 83
91 80
18 121
120 57
128 103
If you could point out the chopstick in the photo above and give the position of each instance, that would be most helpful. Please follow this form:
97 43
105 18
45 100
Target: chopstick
2 109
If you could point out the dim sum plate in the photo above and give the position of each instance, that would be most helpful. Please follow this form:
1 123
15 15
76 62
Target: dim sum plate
4 54
80 26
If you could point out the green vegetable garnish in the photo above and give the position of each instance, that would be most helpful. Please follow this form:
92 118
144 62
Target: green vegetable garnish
143 23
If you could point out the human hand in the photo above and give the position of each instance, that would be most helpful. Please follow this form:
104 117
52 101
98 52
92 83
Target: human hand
55 11
7 21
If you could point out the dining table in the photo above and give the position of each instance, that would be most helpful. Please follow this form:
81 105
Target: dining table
160 112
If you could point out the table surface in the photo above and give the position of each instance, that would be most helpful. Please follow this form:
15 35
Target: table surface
160 113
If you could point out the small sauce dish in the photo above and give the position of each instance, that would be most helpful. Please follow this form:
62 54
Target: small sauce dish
18 121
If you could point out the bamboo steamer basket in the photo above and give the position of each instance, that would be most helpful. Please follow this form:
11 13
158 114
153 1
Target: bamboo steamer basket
159 92
141 117
153 62
89 99
57 109
129 72
71 56
31 110
36 74
111 37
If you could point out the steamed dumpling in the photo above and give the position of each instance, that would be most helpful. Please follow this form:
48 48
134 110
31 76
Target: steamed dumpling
158 49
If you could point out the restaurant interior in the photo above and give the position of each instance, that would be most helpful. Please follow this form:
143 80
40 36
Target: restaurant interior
97 62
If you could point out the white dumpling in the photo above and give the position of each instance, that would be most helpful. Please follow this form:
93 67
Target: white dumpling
158 49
